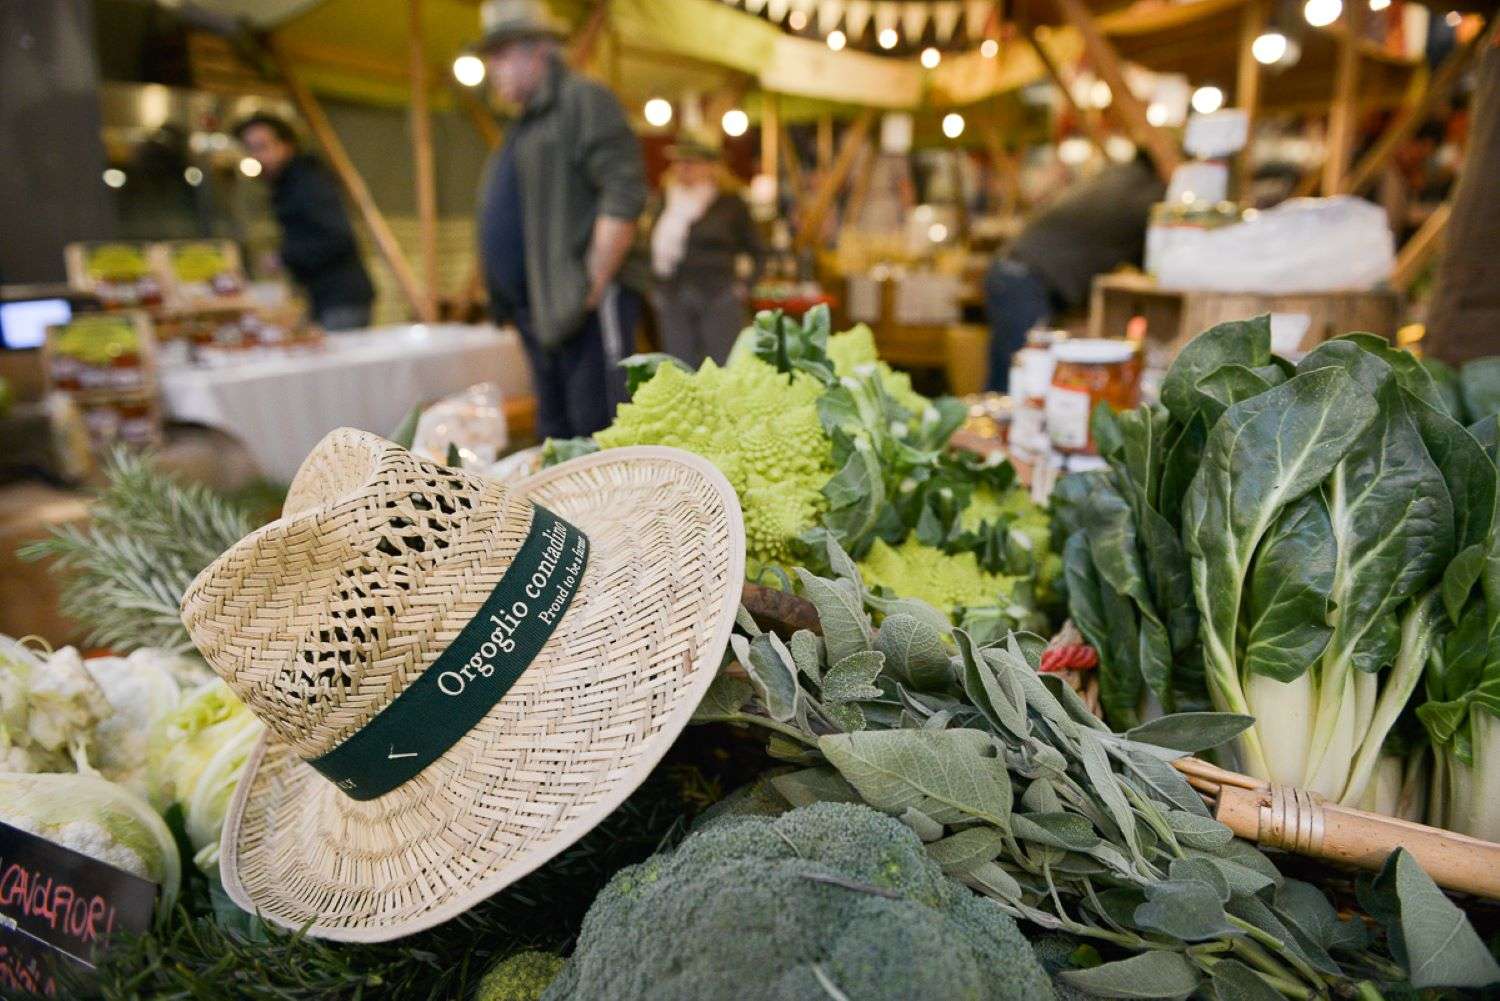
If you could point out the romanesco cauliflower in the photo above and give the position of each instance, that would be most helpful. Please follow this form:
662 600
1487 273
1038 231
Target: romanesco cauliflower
942 580
521 977
855 348
1027 518
759 427
832 900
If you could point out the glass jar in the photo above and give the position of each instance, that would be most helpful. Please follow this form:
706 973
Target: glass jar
1088 372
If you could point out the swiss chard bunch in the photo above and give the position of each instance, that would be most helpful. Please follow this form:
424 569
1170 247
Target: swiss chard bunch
1018 791
1311 513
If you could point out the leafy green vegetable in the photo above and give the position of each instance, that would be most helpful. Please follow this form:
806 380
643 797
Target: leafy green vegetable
1429 935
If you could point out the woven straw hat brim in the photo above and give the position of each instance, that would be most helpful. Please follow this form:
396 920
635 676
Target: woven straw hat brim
579 732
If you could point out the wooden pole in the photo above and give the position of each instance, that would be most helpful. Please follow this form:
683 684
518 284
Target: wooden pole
1125 105
792 162
1419 251
859 189
1247 88
1439 87
1343 113
770 141
424 175
354 185
825 141
809 234
1089 122
582 52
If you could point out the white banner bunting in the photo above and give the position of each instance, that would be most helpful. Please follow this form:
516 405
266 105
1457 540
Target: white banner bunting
857 17
755 6
914 20
945 20
977 17
829 14
776 10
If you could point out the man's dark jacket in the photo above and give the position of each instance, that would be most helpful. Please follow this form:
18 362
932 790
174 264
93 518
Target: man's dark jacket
576 159
317 243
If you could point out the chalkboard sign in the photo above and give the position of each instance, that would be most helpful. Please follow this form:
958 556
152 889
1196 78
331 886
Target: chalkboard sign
60 906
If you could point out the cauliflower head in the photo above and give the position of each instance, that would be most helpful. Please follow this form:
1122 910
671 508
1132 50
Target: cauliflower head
946 581
97 818
830 900
758 426
854 349
49 708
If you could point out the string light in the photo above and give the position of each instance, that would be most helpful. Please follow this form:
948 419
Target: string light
468 70
1207 100
796 20
193 176
114 177
837 40
1157 113
931 57
953 125
658 112
1269 48
887 38
1322 13
249 166
735 122
989 48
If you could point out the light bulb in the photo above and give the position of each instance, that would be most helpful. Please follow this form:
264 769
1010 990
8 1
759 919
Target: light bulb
837 40
1379 4
796 20
1207 100
1270 47
989 48
931 57
887 38
468 70
1099 94
193 176
953 125
250 166
114 177
735 122
1322 13
1157 113
1074 151
937 232
658 112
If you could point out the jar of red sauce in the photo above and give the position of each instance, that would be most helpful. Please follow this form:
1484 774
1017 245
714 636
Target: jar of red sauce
1087 372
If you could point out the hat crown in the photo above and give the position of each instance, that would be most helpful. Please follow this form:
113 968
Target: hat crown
320 619
520 15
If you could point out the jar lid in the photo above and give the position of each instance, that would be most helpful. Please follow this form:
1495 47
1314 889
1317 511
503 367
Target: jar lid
1093 351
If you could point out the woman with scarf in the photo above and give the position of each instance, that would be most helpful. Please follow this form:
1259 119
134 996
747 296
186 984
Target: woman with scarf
701 237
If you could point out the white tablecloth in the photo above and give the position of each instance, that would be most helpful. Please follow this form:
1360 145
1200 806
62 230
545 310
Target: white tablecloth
280 408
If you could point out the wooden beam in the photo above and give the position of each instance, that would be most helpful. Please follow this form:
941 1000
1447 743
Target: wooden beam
424 175
855 137
770 141
1007 172
1125 105
825 141
1090 123
1247 89
354 185
1438 89
792 162
581 52
1343 113
1419 251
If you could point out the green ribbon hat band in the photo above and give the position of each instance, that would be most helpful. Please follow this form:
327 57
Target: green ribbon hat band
476 670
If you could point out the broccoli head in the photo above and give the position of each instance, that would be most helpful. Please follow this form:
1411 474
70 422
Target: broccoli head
830 900
521 977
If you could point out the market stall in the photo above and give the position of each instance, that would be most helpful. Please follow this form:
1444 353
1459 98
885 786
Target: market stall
815 672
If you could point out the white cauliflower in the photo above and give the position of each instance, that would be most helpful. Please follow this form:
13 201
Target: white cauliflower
65 704
140 689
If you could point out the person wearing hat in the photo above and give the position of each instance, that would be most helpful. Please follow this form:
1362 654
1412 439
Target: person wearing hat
698 243
459 677
557 219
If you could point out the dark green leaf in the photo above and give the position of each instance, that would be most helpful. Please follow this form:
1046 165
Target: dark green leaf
1198 832
1479 384
1225 386
1440 947
640 368
1290 584
950 775
1234 981
724 700
1459 579
960 853
814 785
1189 910
1244 342
914 652
846 628
1068 831
406 432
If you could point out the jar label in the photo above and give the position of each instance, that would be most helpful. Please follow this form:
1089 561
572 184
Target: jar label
1068 417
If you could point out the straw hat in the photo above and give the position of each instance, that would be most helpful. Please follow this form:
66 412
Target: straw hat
505 21
372 629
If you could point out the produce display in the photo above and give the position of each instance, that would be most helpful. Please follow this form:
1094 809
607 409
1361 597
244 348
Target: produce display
1285 568
1310 544
821 439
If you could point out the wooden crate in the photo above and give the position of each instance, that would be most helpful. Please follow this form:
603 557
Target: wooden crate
1174 316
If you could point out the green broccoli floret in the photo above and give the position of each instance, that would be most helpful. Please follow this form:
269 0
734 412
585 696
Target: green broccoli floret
829 900
522 977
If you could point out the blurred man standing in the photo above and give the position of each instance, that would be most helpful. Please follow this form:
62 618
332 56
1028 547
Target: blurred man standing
557 220
317 242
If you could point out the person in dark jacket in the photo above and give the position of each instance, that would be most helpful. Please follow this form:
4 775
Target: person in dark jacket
317 242
702 235
1091 230
557 220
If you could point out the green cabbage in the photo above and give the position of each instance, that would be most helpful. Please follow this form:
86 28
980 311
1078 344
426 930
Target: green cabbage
96 817
196 756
